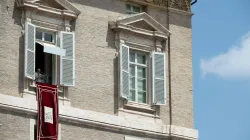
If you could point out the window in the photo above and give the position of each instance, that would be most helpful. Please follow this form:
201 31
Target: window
45 61
45 66
133 9
45 36
138 76
135 76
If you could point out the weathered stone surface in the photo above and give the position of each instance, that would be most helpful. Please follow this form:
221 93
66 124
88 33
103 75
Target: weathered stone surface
14 126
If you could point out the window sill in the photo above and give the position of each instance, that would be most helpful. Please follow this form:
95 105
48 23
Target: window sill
34 94
34 86
139 106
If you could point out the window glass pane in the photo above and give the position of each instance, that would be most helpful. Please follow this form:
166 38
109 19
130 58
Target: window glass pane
128 7
136 9
132 82
141 59
48 37
132 95
141 72
141 84
132 70
132 57
142 97
39 35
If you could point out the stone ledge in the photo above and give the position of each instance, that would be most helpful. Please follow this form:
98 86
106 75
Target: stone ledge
75 115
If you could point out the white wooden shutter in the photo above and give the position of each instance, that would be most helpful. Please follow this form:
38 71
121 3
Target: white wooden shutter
67 70
159 78
30 50
124 71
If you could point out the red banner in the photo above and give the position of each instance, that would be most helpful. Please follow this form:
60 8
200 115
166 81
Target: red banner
47 99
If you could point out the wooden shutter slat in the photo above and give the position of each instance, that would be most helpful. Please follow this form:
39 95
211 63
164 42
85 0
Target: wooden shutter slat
67 70
30 48
159 78
124 71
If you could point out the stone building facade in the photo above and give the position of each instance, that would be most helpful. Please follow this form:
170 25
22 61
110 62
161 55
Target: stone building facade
123 67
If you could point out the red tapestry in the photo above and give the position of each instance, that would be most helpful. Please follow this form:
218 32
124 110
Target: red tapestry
47 97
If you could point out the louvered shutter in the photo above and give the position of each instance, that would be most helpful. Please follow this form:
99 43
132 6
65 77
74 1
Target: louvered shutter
159 78
30 48
67 70
124 71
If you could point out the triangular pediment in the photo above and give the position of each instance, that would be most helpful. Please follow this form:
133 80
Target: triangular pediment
50 3
143 21
63 5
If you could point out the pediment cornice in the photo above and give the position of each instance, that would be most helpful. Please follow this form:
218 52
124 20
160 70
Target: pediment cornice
126 23
68 9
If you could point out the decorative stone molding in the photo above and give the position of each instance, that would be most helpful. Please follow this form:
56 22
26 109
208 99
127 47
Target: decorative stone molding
68 10
127 23
184 5
157 2
105 121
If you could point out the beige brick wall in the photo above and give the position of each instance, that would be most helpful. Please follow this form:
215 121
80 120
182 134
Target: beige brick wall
15 126
11 49
96 62
181 70
71 131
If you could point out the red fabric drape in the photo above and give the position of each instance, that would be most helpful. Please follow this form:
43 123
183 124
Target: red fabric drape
47 98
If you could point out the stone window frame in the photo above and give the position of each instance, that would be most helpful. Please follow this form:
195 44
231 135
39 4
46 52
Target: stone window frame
29 85
33 12
149 108
158 35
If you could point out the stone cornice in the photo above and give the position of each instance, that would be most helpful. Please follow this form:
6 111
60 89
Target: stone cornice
126 23
184 5
69 11
140 31
106 121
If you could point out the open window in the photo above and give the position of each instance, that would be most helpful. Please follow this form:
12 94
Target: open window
135 79
46 59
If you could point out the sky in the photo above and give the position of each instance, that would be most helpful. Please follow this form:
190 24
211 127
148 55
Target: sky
221 69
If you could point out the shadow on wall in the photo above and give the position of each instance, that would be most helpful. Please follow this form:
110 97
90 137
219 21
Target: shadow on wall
17 17
109 5
21 65
116 94
110 39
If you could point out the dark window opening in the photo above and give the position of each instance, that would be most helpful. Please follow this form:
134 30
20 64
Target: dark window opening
43 65
35 132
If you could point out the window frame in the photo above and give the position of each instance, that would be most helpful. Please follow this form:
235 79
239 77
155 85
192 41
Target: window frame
131 10
147 67
43 31
55 59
